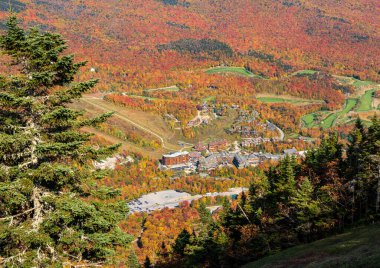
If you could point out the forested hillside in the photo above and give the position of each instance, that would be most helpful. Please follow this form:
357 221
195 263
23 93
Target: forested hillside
340 37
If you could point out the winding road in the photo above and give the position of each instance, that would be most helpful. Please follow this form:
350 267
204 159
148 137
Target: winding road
282 134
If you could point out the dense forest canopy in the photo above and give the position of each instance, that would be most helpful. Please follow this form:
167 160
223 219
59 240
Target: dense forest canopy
322 34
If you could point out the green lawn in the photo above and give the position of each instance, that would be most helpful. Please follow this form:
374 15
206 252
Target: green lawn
309 120
287 100
360 83
234 70
305 72
353 81
365 103
358 247
329 120
211 98
350 104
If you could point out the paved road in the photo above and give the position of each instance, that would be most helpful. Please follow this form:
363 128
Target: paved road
124 118
282 134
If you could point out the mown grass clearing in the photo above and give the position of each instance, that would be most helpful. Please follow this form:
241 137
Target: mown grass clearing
329 120
309 120
141 97
350 104
287 100
353 81
211 98
171 88
365 103
358 247
360 83
304 72
234 70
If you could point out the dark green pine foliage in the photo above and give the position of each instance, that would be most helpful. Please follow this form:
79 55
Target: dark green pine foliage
204 214
306 209
180 243
363 170
51 212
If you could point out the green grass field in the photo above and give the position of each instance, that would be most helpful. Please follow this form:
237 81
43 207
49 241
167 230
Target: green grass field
329 120
350 104
305 72
358 247
309 120
211 98
365 103
353 81
360 83
234 70
287 100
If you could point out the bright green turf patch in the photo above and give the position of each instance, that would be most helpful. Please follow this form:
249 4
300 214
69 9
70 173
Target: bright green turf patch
360 83
309 120
329 120
350 104
305 72
365 103
211 98
355 248
287 100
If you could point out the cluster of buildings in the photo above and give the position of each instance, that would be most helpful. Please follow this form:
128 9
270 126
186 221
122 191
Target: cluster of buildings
250 142
249 124
215 155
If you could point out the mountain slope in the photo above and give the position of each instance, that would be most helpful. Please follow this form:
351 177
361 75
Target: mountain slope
334 35
356 248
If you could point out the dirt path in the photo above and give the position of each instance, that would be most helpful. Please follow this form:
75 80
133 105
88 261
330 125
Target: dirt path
106 108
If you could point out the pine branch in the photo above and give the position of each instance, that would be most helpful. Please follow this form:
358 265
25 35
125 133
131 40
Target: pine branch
9 259
17 215
95 121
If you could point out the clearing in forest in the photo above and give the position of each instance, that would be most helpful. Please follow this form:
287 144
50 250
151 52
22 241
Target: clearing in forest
233 70
270 98
362 101
171 88
365 103
304 72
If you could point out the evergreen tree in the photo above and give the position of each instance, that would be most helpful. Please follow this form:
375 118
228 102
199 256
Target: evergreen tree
133 261
180 243
363 161
147 263
51 212
204 214
306 208
369 173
